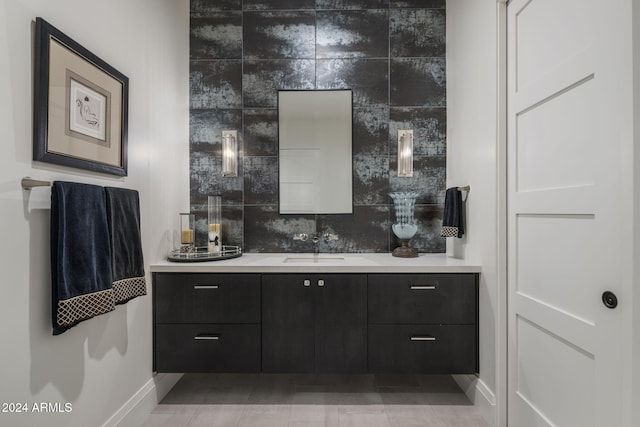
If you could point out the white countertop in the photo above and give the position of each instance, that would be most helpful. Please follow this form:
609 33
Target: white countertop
324 263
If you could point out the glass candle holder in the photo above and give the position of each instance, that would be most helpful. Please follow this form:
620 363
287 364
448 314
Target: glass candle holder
187 232
214 235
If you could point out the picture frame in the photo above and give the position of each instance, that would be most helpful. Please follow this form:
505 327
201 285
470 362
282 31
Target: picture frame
80 106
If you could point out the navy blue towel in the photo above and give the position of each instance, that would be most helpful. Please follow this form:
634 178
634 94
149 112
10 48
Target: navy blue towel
81 275
123 214
453 216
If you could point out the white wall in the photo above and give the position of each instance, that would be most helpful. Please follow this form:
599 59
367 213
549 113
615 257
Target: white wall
99 365
472 158
635 348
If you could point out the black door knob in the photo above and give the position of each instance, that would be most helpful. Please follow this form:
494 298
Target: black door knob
609 299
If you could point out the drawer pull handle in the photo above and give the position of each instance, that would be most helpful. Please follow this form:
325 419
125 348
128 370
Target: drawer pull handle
307 283
207 337
423 287
206 287
423 338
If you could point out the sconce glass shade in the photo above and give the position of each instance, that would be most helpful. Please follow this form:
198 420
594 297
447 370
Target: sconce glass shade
229 153
405 153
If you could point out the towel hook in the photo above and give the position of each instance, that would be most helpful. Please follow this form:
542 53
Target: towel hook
466 188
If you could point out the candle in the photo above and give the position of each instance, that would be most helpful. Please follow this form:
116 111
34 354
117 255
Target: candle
214 238
187 232
187 236
214 219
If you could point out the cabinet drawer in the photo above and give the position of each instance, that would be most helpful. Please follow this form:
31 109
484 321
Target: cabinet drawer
207 348
429 349
422 298
207 298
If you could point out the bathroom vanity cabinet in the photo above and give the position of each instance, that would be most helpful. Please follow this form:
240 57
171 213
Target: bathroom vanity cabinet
423 323
206 322
349 321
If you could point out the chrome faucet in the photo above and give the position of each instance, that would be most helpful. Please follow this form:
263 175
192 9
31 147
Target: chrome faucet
301 237
330 237
315 237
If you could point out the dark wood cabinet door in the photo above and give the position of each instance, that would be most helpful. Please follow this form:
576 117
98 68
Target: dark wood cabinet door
207 348
207 298
425 349
287 324
422 299
340 323
314 323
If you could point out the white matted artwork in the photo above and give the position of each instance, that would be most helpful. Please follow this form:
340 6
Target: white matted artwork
80 108
88 108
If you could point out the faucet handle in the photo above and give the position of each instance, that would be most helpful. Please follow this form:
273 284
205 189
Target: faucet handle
329 237
302 237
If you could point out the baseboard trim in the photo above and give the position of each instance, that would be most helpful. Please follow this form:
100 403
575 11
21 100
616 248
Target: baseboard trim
139 406
480 395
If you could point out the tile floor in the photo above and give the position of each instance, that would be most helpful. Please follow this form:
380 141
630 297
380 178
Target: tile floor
225 400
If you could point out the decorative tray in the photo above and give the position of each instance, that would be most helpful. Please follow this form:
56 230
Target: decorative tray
201 254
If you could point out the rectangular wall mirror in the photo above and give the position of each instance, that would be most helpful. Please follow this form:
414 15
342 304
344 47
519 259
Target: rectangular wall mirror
315 137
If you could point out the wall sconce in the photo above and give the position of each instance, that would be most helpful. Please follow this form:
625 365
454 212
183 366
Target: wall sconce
405 153
229 153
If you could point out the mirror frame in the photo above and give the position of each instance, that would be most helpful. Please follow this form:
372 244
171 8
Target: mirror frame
351 204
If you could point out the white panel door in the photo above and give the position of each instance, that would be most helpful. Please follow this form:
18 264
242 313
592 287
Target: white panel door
566 226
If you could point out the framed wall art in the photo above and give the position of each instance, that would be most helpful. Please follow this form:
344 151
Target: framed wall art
80 106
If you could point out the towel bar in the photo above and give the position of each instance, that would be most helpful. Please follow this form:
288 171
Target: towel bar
28 183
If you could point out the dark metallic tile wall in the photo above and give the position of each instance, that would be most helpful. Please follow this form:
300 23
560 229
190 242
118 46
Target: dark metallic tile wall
279 35
417 32
263 77
261 180
418 82
352 34
367 78
391 53
216 36
371 130
370 179
205 6
351 4
260 132
428 4
216 84
277 4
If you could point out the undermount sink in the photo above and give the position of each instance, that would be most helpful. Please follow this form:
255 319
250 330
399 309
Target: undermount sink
313 258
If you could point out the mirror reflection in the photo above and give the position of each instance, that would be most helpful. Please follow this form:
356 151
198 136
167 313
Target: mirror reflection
315 151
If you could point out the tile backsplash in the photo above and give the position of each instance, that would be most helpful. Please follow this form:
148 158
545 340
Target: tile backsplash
390 53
